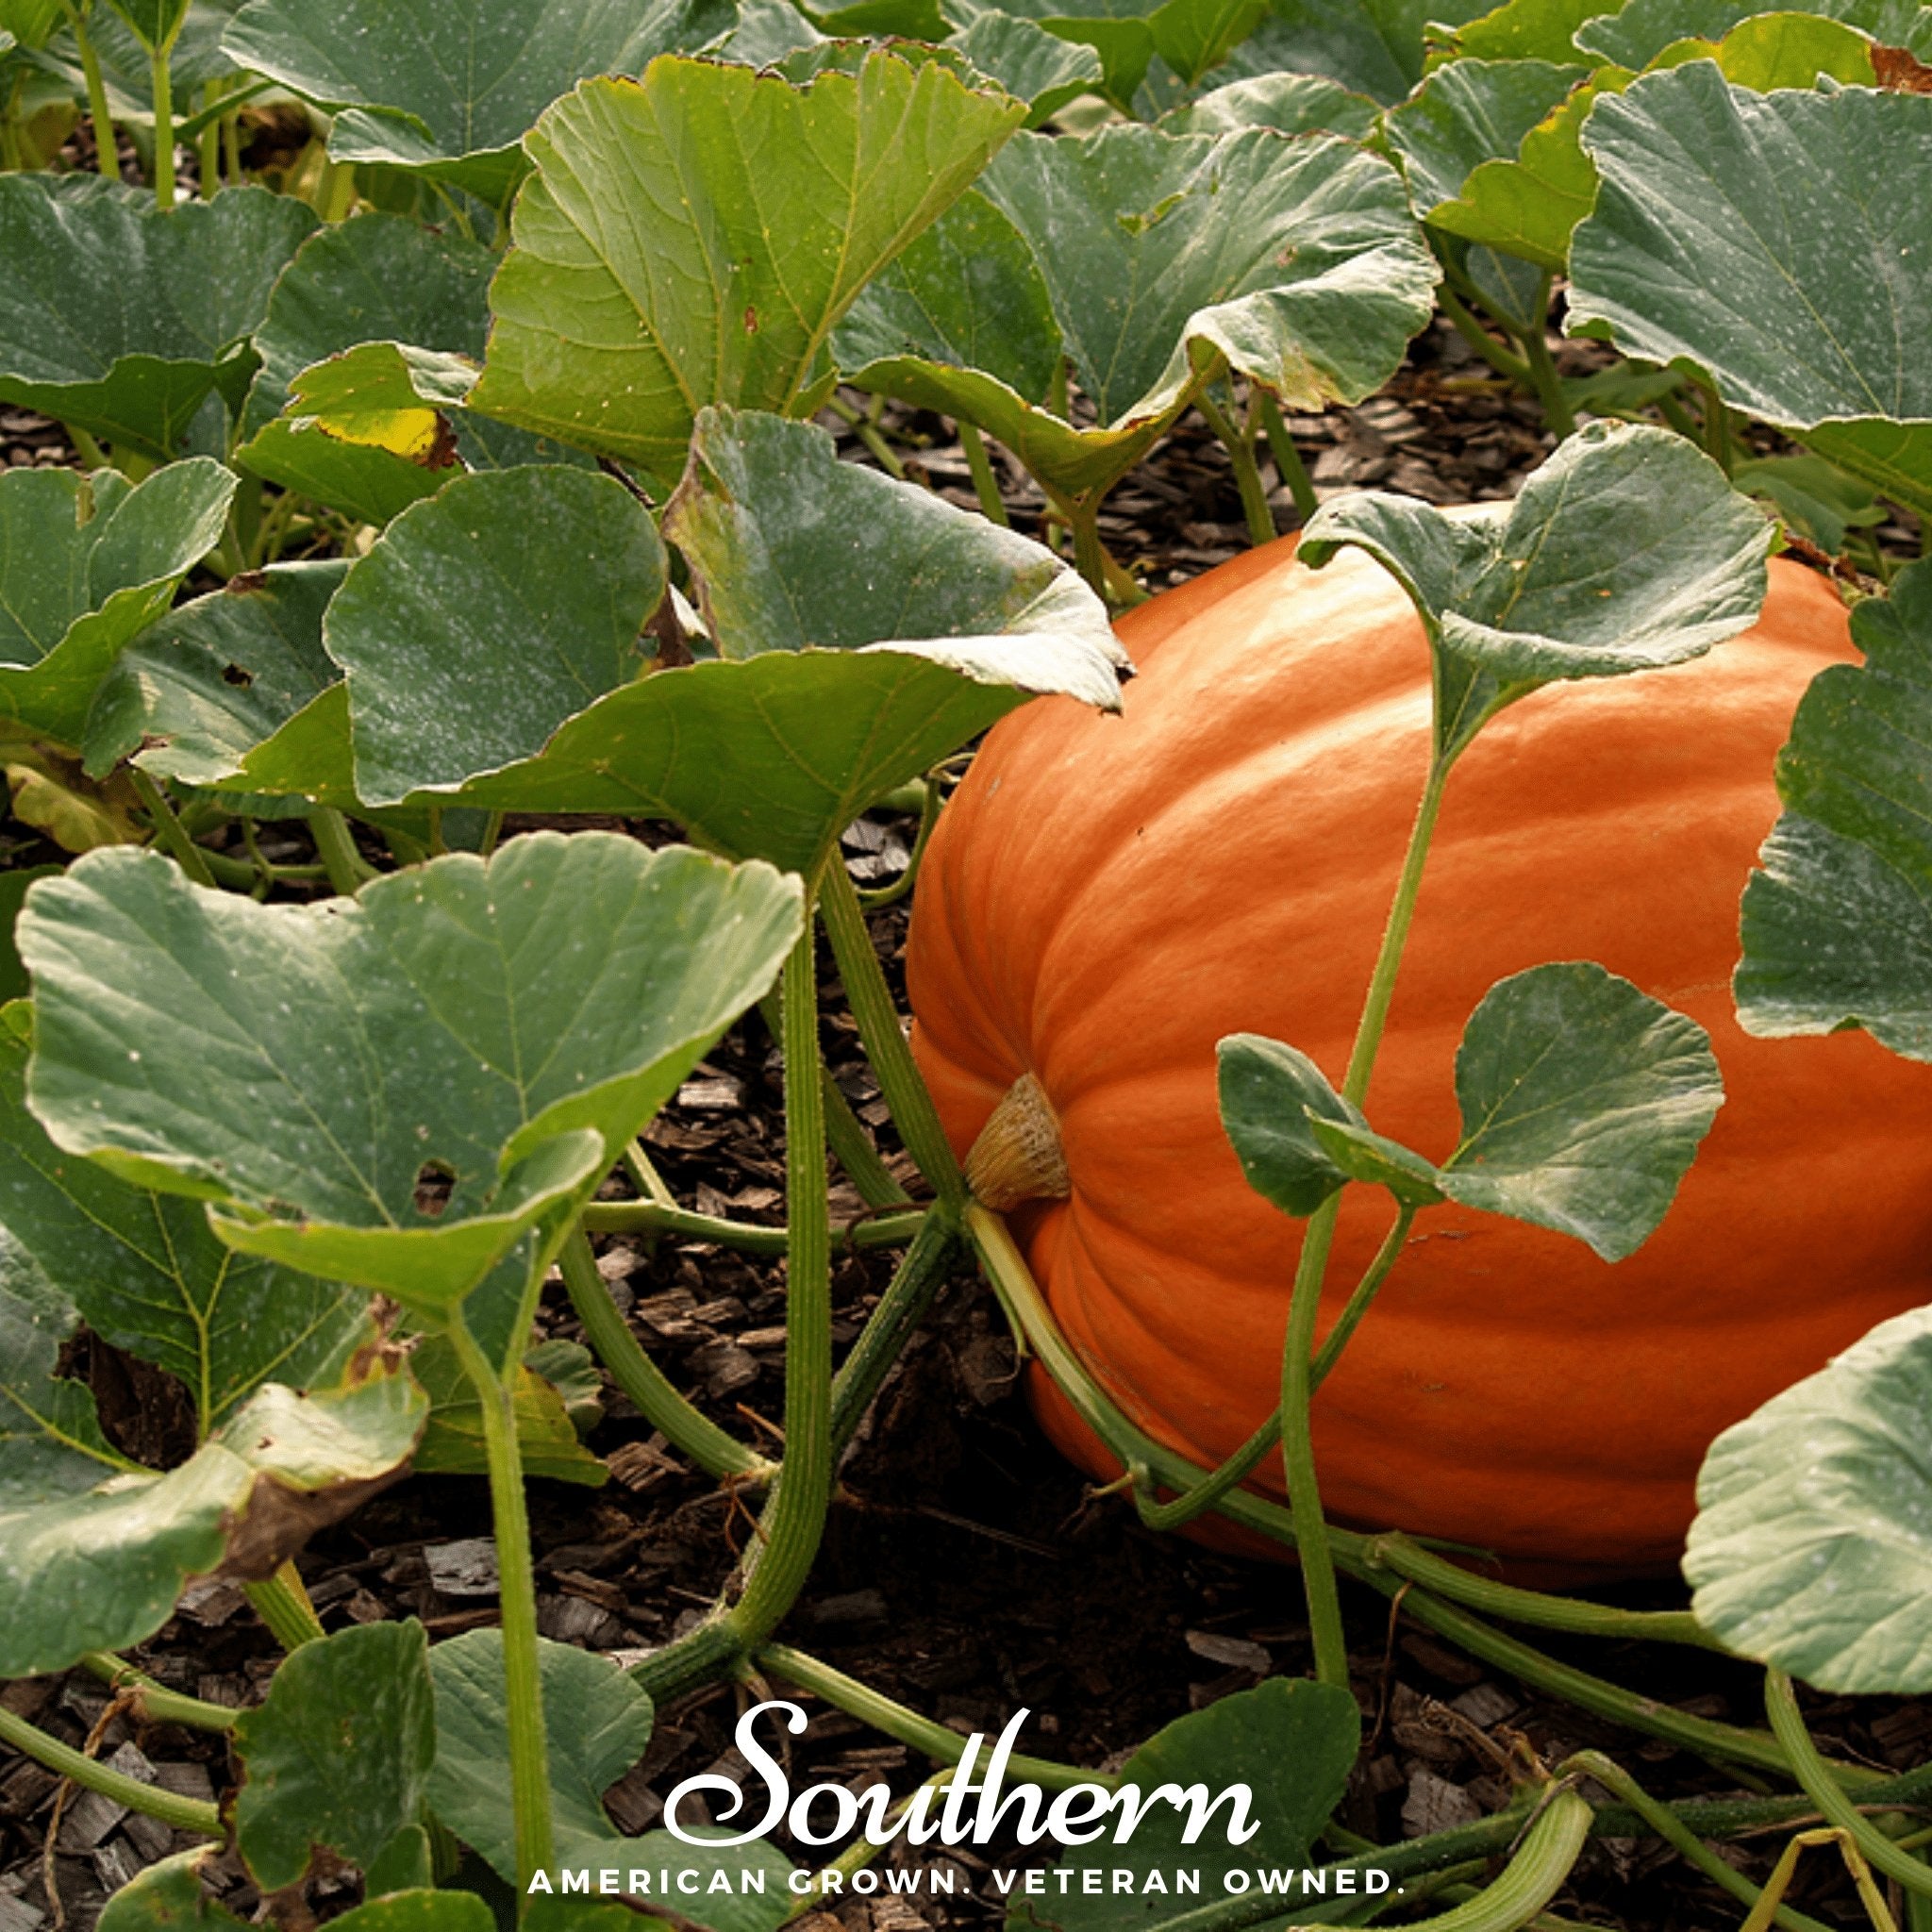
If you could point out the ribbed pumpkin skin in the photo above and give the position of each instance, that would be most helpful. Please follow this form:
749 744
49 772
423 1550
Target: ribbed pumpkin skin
1106 898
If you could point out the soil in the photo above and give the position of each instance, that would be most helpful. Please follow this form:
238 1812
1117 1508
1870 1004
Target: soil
967 1571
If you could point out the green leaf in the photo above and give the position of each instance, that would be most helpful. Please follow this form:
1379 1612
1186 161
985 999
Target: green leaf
598 1723
1288 103
483 619
1811 1548
1291 1743
453 1441
155 21
1583 1102
1804 201
336 1757
85 565
1032 64
1837 926
214 681
448 91
1469 113
1523 30
374 280
1625 551
306 1066
123 320
13 886
1172 259
420 1910
29 23
1373 47
775 204
1780 50
1268 1091
147 1275
1363 1155
868 628
1813 497
1635 35
98 1549
167 1897
967 292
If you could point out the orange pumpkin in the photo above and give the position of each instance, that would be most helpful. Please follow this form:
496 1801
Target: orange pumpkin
1106 898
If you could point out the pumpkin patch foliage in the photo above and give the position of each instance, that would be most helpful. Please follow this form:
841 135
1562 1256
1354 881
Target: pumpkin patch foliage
441 675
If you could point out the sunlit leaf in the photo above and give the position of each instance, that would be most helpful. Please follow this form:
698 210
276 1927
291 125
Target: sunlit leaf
1634 35
309 1067
1807 208
450 89
695 238
1288 103
123 320
1627 550
1812 1547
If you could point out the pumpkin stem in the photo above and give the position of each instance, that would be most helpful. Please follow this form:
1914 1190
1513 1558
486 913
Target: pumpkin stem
1018 1156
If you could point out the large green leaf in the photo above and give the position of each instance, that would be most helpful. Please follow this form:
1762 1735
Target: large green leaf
968 292
868 628
1288 103
448 91
695 238
1032 64
1191 36
123 320
1837 926
1468 112
377 279
336 1757
1634 35
597 1722
1290 1742
1583 1102
1171 258
1812 1547
1625 551
485 618
1373 46
97 1548
310 1067
213 680
453 1441
85 565
1797 297
147 1275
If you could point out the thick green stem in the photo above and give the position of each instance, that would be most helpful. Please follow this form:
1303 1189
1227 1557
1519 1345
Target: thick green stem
1089 554
1288 459
184 1814
1358 1303
1691 1848
1815 1778
1532 1879
908 1727
884 1038
529 1763
107 157
159 65
866 431
901 1310
154 1702
168 832
794 1519
715 1451
1239 446
208 147
282 1603
1483 343
1717 426
1544 379
985 484
334 845
653 1217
